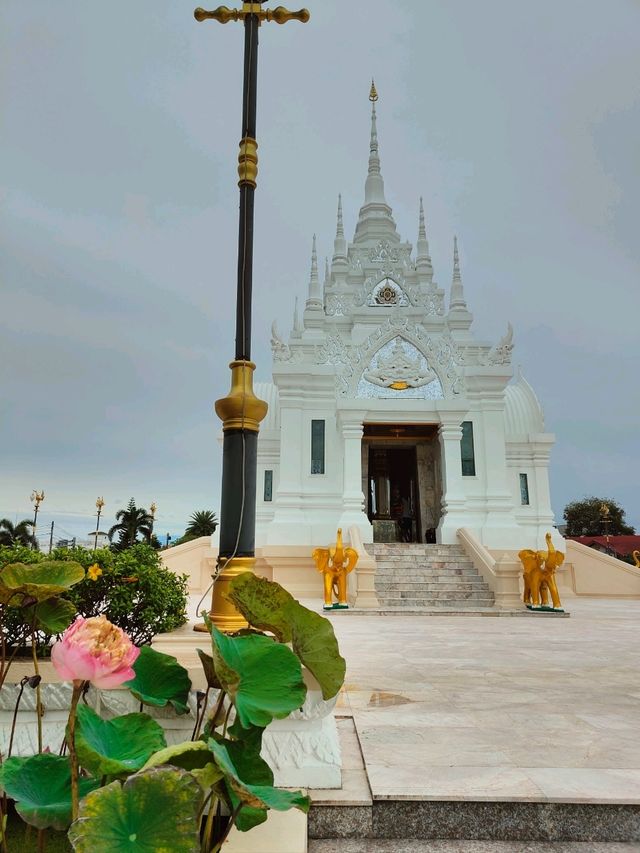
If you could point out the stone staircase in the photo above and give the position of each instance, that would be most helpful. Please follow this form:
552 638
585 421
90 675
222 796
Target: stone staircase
428 577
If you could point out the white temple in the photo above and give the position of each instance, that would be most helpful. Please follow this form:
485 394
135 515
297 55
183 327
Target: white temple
387 413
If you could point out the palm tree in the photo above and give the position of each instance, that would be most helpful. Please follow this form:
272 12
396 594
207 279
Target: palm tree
130 523
201 523
18 534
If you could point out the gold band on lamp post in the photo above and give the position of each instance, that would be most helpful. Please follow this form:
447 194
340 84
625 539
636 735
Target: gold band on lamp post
223 614
241 409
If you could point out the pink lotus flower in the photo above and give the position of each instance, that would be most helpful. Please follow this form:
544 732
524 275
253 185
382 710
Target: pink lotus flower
95 650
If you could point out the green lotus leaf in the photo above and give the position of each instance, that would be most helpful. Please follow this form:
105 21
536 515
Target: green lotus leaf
54 615
209 669
41 787
160 680
113 747
155 811
262 677
40 580
267 605
251 767
316 645
262 603
194 756
256 796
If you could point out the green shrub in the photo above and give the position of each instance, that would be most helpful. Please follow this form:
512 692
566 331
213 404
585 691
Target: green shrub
132 588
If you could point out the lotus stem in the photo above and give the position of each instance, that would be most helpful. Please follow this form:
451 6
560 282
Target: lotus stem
71 743
34 655
15 714
232 821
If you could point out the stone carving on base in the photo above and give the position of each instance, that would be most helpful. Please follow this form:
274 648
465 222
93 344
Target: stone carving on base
539 569
303 750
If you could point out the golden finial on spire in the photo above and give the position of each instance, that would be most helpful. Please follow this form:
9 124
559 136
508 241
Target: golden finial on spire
373 95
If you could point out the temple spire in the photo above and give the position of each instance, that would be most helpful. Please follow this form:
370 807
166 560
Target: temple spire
339 244
314 299
423 258
327 275
375 220
297 331
457 300
374 186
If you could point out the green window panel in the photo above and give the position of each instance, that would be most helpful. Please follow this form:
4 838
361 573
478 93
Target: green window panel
268 486
317 447
466 450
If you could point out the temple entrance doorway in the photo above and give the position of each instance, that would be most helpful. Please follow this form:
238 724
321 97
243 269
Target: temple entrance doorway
401 481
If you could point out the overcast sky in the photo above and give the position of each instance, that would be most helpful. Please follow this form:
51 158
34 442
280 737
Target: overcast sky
519 123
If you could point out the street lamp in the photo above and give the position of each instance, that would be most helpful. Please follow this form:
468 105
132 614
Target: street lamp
152 509
241 411
99 505
606 521
36 498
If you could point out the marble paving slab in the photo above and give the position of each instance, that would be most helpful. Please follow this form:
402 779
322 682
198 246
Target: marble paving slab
498 709
379 845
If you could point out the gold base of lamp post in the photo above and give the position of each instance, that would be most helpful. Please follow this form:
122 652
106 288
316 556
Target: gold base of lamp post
223 614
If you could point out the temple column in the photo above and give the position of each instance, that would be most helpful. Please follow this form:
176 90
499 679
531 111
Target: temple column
352 495
453 496
500 527
542 495
289 525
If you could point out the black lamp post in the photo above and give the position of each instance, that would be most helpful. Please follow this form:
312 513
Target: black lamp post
241 411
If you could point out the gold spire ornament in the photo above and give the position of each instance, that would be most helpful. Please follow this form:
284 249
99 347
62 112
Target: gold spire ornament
373 94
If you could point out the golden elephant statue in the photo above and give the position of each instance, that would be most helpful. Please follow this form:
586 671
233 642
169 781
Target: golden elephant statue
335 563
539 569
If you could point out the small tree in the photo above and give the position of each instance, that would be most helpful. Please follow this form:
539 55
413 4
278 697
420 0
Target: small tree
131 522
17 534
586 518
203 522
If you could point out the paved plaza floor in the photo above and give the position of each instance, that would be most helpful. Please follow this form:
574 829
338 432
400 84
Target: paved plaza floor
473 708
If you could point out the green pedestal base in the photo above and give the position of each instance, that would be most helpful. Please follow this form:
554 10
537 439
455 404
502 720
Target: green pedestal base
335 606
543 608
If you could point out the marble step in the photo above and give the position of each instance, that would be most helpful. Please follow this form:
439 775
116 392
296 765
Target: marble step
419 554
420 587
433 603
454 564
423 591
438 598
416 572
422 558
420 551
